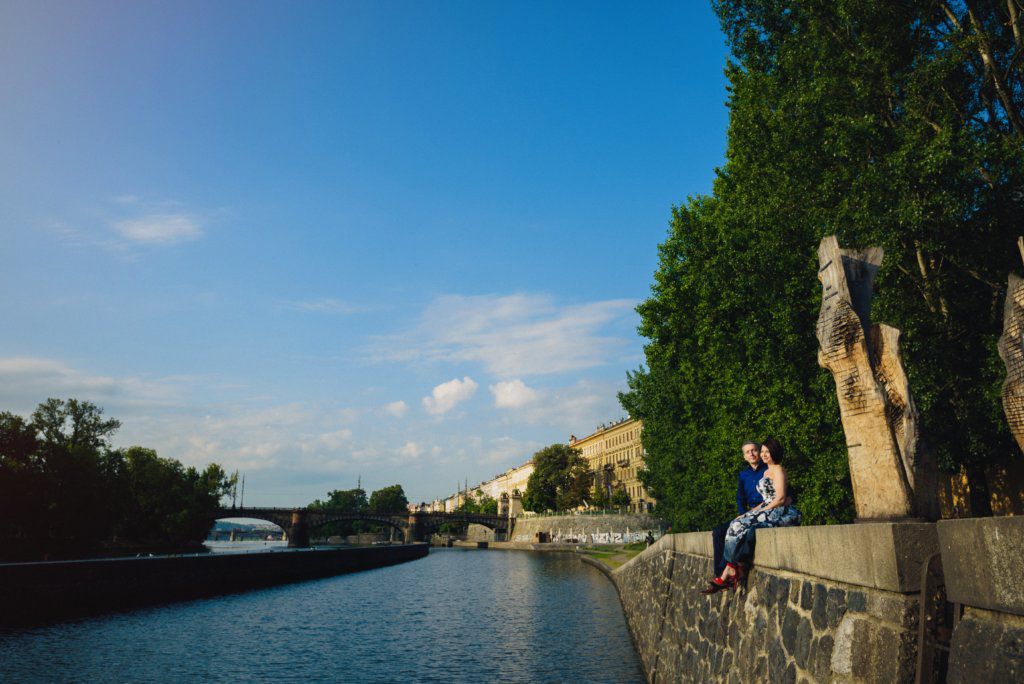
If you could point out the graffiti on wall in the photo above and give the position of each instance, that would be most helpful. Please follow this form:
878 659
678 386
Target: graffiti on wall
573 537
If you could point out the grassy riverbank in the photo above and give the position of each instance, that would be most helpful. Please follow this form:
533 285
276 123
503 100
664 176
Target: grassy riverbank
613 556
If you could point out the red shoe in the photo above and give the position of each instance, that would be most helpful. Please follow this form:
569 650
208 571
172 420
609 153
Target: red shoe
739 572
718 584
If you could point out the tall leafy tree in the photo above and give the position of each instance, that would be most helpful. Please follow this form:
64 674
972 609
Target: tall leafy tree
558 481
21 505
164 503
887 123
76 475
389 499
349 500
479 502
64 491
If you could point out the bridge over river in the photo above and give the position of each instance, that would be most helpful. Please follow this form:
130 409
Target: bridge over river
299 522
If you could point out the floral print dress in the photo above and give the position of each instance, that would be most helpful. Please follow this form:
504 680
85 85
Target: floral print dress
739 539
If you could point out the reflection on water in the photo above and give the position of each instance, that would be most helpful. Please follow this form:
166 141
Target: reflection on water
455 616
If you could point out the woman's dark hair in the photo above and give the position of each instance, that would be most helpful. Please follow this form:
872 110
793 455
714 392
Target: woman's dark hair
774 448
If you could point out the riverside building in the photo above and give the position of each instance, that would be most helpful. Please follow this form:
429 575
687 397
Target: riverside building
615 456
500 488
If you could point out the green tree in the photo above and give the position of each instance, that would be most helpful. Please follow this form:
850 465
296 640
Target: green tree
21 505
66 492
164 503
389 499
620 497
558 480
73 424
350 500
76 475
599 497
887 124
478 502
487 505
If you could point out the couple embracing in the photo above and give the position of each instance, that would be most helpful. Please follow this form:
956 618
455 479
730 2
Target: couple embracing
763 499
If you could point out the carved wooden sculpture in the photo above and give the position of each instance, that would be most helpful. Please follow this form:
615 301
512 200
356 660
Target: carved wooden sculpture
1011 351
892 477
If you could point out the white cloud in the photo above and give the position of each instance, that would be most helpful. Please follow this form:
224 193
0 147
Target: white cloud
410 450
449 394
159 229
576 408
322 305
26 381
513 394
335 440
509 452
396 408
513 335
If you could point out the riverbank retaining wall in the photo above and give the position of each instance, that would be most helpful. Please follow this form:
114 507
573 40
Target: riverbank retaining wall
981 559
829 604
587 529
42 592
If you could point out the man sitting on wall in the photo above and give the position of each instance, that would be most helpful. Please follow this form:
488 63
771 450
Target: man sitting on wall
747 497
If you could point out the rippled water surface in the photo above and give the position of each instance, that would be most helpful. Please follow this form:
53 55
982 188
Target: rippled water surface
455 616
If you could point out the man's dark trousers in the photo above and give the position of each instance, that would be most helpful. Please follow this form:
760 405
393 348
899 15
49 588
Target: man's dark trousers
718 542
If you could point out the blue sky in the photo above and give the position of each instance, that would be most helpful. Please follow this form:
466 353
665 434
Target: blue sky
314 241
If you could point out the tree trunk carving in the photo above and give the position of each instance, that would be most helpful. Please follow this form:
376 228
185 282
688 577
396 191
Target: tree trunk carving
1011 351
892 475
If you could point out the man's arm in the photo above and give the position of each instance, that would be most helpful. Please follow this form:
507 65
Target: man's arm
741 500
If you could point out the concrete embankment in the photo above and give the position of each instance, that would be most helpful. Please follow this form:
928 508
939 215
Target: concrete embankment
41 592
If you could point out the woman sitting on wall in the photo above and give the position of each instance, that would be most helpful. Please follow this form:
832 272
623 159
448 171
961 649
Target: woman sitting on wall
776 511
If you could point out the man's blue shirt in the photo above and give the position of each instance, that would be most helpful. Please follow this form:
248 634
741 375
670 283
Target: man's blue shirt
747 495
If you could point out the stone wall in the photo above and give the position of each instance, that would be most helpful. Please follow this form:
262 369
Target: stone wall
823 604
478 533
588 529
981 560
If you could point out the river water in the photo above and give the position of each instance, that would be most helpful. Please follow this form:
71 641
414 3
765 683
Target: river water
457 615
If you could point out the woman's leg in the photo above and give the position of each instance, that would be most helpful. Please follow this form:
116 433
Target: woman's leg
735 541
783 516
744 548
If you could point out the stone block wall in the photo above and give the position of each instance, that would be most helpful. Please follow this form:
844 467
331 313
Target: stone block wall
479 533
981 561
859 625
987 646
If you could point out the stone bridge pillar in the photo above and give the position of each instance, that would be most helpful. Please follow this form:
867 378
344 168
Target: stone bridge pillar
298 534
414 532
515 509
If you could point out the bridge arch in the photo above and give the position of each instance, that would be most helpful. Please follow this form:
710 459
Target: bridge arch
316 522
414 526
229 519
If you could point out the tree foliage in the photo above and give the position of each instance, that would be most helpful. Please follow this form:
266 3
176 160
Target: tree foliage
349 500
64 491
480 503
389 499
892 124
559 481
162 502
620 497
